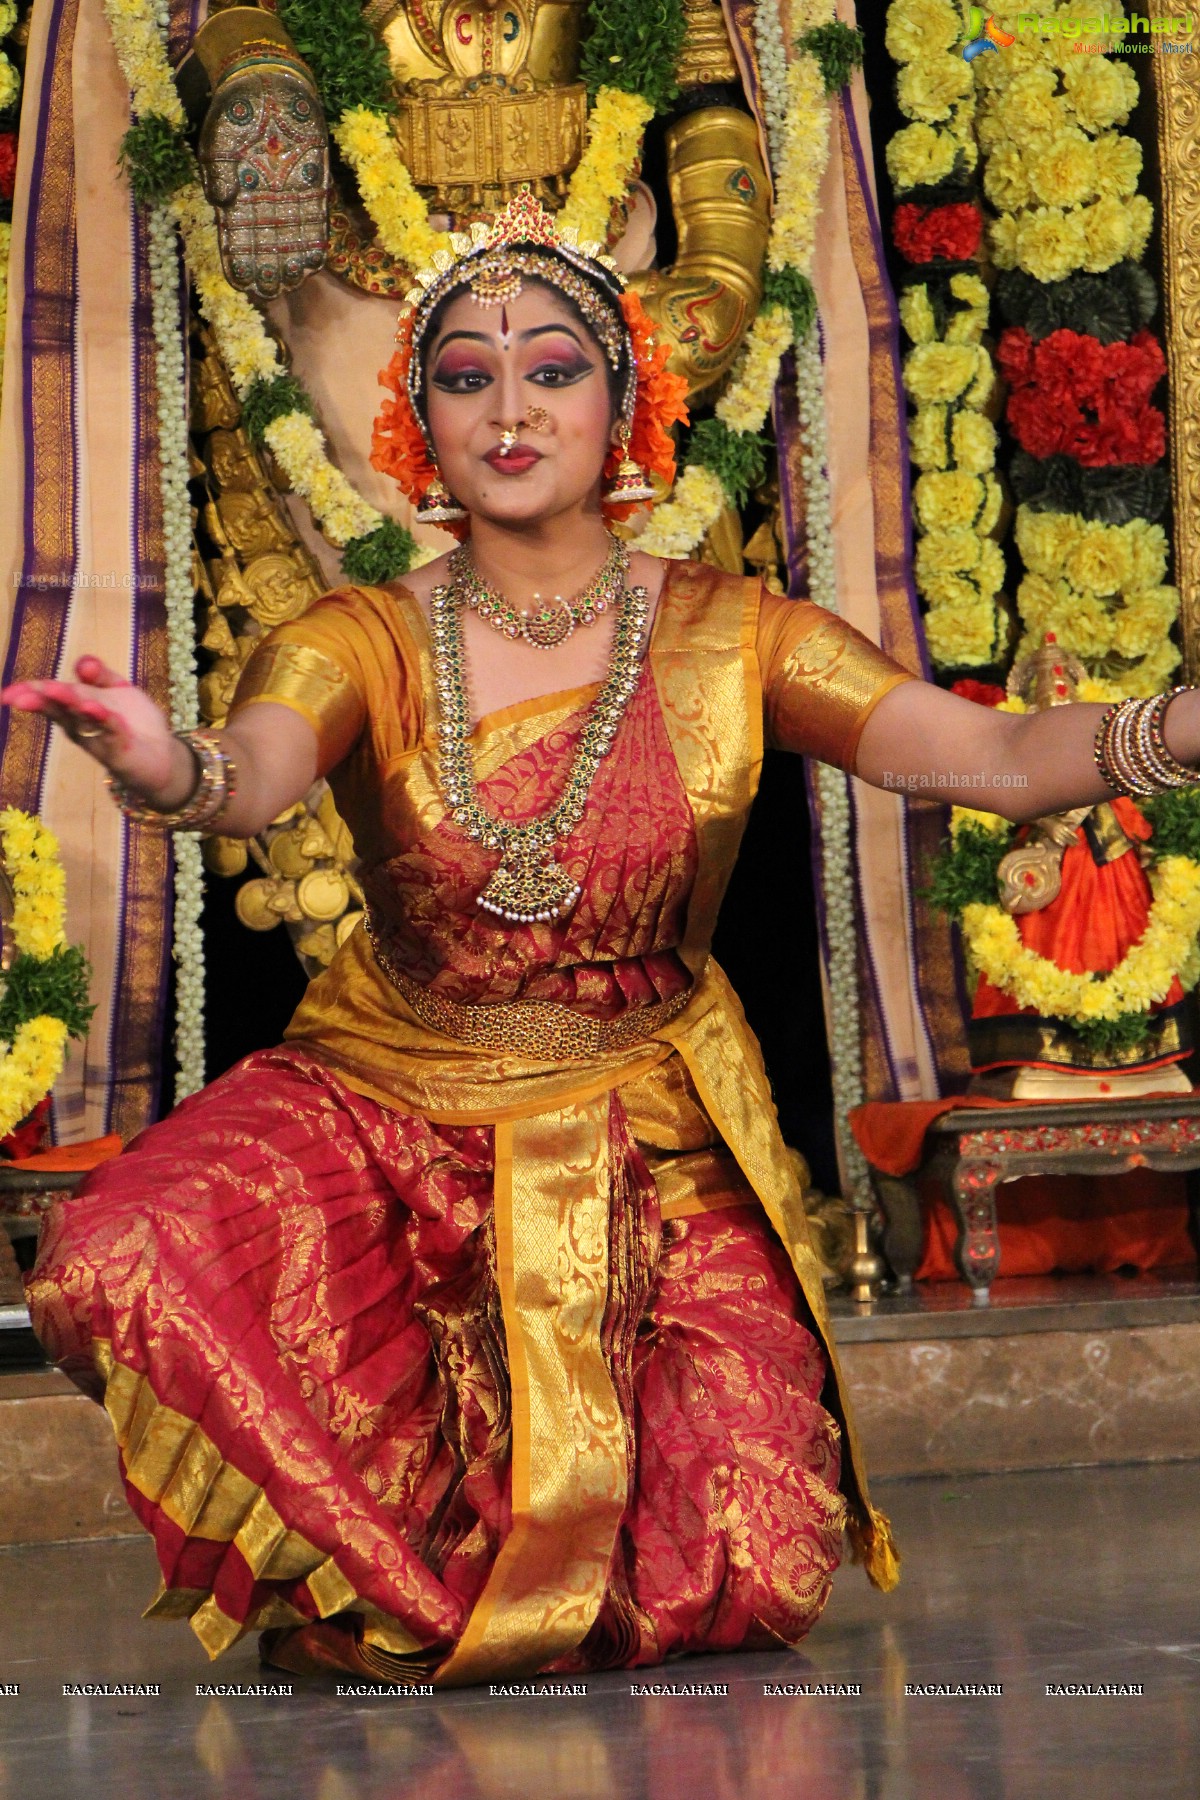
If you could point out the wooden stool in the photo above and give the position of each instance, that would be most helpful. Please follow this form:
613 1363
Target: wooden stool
972 1150
25 1195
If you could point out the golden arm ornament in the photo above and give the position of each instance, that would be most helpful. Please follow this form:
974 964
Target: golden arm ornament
704 304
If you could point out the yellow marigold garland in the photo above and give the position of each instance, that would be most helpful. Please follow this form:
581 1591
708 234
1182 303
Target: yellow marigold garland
30 1065
1063 179
615 127
386 188
948 376
1140 980
1169 945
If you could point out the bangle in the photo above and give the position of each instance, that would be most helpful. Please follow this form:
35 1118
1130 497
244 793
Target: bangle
1131 752
216 784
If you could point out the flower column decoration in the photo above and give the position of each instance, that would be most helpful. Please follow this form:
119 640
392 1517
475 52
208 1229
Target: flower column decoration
948 373
10 89
1080 363
826 53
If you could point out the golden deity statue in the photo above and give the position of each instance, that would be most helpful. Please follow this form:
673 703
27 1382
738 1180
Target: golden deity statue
488 100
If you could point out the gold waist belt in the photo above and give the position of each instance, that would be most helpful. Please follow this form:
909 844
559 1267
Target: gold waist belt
544 1029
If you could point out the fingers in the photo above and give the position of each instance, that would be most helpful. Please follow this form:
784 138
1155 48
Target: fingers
23 695
70 707
97 674
40 696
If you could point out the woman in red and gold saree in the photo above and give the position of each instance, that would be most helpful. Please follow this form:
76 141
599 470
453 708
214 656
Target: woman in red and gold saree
476 1331
480 1320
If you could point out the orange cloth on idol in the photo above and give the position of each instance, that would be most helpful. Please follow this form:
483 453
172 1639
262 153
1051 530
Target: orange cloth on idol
1098 915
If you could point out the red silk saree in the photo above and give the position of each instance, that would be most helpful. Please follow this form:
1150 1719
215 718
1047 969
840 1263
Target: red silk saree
475 1331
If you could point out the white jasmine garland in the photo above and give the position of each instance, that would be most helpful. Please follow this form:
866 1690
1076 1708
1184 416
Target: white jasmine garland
170 381
772 67
837 881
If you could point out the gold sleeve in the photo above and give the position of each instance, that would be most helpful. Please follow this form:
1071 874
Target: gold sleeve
821 680
315 666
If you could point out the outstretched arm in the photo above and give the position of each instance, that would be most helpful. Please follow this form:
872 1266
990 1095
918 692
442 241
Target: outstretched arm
921 740
273 748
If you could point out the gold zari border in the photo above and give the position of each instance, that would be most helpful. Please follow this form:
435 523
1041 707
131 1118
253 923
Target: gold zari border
570 1474
175 1465
1177 89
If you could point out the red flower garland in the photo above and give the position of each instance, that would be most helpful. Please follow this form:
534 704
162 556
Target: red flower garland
985 693
1072 395
937 233
398 444
8 164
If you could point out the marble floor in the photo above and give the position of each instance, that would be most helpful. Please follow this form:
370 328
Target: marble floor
1084 1577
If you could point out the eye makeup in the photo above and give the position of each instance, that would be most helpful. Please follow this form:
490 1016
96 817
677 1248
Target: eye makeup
562 362
460 369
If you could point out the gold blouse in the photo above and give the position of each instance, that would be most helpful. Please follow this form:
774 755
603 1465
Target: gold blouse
356 666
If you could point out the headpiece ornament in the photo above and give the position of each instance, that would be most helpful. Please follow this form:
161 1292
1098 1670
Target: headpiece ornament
493 260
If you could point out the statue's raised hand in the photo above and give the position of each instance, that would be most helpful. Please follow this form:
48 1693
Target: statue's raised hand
113 721
264 156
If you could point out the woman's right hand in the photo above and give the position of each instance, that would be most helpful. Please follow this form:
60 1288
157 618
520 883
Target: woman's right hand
117 724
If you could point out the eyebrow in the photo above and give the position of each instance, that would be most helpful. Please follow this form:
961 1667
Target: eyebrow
481 337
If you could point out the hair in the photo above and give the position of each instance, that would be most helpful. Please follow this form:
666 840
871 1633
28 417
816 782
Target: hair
619 378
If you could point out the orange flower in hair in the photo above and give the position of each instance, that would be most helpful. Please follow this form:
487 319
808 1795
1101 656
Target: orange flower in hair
398 446
660 401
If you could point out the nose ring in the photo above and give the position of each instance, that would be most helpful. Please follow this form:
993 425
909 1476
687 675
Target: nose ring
508 438
537 418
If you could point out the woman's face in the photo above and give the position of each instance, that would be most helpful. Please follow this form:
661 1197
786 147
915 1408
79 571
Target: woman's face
491 367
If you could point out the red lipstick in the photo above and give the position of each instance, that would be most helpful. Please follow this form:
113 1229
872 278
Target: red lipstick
514 461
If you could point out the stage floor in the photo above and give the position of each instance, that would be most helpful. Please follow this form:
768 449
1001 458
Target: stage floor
1081 1577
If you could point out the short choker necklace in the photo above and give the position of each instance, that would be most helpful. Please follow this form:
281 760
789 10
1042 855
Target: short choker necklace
551 621
530 886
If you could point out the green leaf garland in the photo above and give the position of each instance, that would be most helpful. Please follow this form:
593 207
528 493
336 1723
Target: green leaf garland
56 984
737 458
964 871
266 401
382 555
157 160
838 50
634 45
348 62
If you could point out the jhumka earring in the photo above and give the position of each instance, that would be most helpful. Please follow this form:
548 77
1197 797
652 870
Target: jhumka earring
438 505
630 483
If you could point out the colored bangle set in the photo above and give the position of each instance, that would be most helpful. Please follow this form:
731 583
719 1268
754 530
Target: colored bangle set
1131 752
216 784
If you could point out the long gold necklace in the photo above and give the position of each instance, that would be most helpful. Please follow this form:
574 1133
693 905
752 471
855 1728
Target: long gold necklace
530 886
552 621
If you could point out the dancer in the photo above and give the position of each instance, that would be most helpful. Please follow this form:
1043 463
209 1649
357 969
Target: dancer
475 1331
